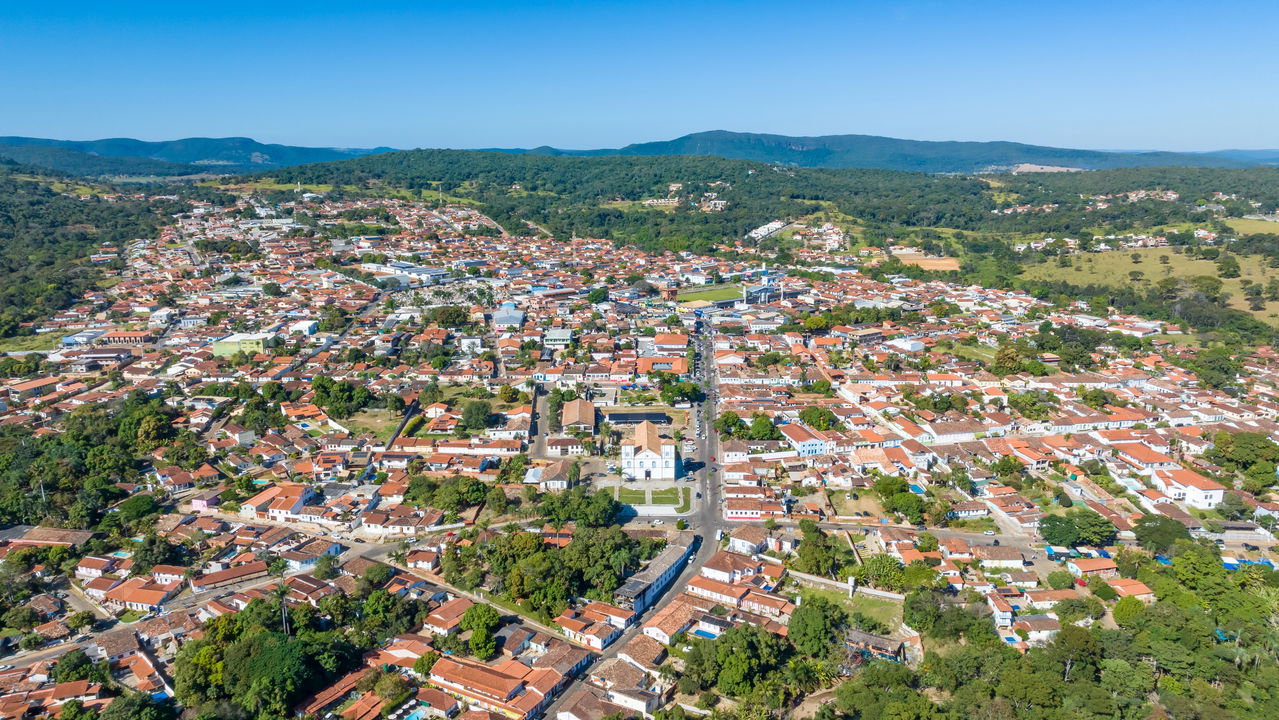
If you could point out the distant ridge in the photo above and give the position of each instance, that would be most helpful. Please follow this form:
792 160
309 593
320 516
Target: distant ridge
884 153
188 156
237 155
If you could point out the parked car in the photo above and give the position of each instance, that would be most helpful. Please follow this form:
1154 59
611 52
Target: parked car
988 532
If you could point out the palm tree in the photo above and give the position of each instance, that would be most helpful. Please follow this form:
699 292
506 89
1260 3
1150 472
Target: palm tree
279 592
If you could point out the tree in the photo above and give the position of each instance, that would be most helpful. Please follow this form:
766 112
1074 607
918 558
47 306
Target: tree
476 415
482 644
1007 361
730 424
422 666
76 665
21 617
818 418
496 500
378 574
324 569
927 542
1127 610
81 619
1077 527
480 616
1076 650
813 625
1228 266
1060 579
762 428
1158 533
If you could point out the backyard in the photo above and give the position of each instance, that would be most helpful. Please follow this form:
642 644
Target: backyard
862 501
379 422
888 612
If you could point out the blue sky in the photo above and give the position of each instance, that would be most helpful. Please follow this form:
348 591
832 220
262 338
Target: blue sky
1120 75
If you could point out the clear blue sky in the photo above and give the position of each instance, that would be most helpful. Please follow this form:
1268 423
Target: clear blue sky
1113 75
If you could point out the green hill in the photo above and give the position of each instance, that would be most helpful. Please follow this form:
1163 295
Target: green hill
871 151
83 164
223 155
45 238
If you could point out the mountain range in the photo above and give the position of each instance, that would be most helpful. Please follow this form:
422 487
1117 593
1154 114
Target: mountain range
188 156
884 153
195 156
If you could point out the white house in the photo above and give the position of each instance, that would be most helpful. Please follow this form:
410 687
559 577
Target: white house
1190 487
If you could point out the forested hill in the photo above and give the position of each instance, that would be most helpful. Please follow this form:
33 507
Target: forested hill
602 196
872 151
88 165
124 156
46 238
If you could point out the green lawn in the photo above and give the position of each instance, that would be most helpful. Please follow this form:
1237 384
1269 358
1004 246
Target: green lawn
724 292
1252 227
686 500
984 353
630 496
668 496
21 343
1115 268
885 611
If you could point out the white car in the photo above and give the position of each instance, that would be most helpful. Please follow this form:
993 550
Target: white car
659 522
988 532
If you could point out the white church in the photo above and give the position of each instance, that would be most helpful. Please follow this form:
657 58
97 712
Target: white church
649 455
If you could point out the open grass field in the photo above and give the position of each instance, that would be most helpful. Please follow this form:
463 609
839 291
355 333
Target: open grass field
22 343
1116 268
984 353
885 611
722 292
381 423
1245 226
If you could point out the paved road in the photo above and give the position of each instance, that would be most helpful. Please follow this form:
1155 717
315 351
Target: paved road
706 520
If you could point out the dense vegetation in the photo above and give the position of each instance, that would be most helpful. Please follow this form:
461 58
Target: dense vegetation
544 578
68 479
222 155
572 195
45 239
260 661
1203 650
872 151
83 164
